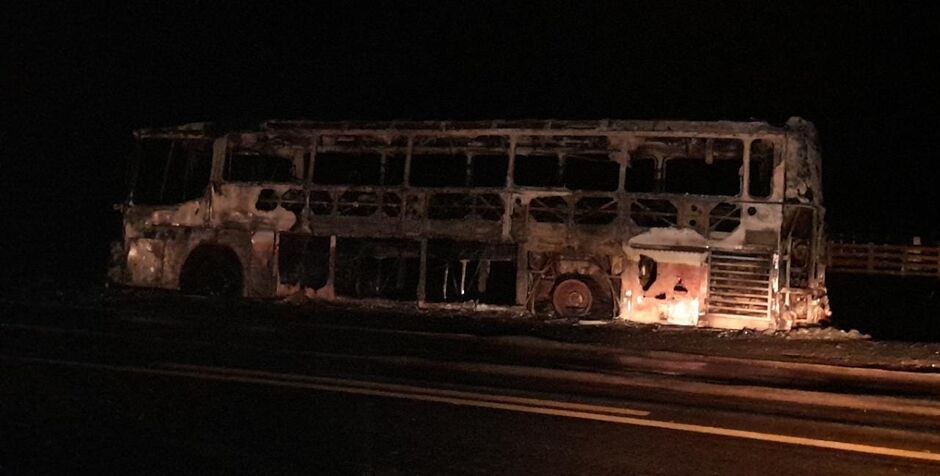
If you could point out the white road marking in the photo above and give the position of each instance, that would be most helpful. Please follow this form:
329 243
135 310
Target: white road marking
497 402
409 389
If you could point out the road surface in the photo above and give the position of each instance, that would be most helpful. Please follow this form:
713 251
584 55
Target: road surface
118 392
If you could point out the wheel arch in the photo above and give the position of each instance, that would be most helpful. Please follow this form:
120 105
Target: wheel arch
208 258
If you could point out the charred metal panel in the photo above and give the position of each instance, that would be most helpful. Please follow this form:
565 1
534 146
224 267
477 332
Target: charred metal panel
803 164
145 261
261 276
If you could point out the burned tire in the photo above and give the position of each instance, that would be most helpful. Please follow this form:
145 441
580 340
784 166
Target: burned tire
577 296
213 271
572 297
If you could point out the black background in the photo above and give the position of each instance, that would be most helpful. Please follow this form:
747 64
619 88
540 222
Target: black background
76 80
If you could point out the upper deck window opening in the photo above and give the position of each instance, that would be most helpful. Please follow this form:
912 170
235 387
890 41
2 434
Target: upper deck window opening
536 170
489 170
172 171
394 169
438 170
641 175
760 176
254 166
459 161
347 168
693 174
591 172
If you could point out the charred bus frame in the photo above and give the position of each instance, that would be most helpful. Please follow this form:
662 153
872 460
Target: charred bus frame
714 224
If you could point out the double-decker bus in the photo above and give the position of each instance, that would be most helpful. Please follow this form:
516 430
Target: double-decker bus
712 224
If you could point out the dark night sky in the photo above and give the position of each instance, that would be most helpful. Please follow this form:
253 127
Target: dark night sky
76 80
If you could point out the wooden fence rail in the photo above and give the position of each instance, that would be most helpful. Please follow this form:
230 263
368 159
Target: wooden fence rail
870 258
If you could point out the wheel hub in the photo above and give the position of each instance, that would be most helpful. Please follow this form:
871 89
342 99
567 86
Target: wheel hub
572 298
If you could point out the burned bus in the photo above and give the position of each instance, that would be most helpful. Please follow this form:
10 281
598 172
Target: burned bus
710 224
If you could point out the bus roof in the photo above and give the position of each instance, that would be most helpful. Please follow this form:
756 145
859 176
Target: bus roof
499 126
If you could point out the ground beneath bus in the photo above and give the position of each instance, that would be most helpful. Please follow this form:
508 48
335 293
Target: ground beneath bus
917 349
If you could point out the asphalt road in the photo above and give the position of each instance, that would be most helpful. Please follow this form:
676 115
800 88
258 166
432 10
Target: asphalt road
117 393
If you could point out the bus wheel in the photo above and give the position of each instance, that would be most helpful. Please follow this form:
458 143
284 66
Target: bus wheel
212 270
572 298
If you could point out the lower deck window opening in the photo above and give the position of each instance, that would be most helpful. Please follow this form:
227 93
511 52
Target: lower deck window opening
304 260
377 268
462 272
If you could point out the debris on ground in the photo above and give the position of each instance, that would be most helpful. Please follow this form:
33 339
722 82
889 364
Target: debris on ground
802 333
824 333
